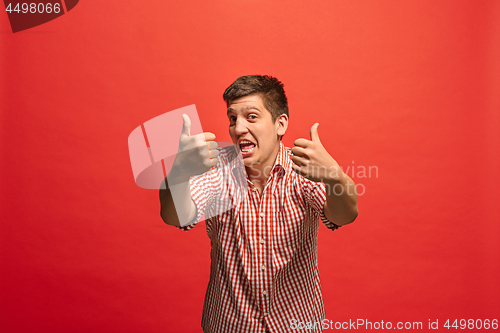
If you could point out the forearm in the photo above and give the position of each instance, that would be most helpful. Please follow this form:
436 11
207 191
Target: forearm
177 207
341 206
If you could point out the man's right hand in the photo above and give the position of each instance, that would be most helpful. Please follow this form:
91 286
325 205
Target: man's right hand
196 154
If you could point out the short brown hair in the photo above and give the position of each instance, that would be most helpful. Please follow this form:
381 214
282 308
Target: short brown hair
269 88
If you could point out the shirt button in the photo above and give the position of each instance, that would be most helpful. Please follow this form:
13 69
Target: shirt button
262 214
263 267
265 314
262 241
264 292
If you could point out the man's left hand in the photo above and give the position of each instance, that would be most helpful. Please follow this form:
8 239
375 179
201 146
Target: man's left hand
311 160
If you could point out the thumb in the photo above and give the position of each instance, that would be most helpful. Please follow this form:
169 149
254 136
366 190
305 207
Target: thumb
314 133
186 126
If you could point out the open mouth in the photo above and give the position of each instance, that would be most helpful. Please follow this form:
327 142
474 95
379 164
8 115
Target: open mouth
246 146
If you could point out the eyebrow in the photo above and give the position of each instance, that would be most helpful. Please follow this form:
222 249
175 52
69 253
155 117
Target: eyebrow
246 108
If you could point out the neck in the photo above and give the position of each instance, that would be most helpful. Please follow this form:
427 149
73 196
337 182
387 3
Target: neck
259 172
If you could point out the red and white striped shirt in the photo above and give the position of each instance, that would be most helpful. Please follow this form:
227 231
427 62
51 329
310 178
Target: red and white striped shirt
264 270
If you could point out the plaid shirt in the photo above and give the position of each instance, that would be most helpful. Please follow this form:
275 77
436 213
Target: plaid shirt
264 270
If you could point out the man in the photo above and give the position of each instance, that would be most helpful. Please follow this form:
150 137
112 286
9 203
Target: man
264 274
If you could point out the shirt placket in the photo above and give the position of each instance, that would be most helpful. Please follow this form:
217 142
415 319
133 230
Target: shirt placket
266 215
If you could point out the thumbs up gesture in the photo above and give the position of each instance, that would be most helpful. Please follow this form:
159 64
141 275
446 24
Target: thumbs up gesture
311 160
196 153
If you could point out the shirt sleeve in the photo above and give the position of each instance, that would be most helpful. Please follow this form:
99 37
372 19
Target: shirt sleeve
202 190
315 196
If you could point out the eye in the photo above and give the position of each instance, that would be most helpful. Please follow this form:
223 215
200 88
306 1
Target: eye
232 119
252 116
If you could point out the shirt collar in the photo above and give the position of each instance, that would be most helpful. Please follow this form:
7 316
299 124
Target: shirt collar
282 162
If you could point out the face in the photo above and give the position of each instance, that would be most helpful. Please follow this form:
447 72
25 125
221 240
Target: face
252 129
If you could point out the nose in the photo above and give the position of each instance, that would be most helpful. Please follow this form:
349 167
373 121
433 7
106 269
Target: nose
240 127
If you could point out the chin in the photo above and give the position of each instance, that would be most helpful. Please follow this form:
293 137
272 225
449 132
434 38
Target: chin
251 161
248 162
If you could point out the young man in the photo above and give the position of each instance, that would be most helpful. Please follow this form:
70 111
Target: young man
264 272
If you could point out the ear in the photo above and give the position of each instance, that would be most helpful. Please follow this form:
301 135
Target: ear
281 124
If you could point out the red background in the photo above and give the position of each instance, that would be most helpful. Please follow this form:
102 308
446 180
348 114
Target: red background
411 87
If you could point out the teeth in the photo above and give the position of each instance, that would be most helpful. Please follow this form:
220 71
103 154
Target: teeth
247 150
245 143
